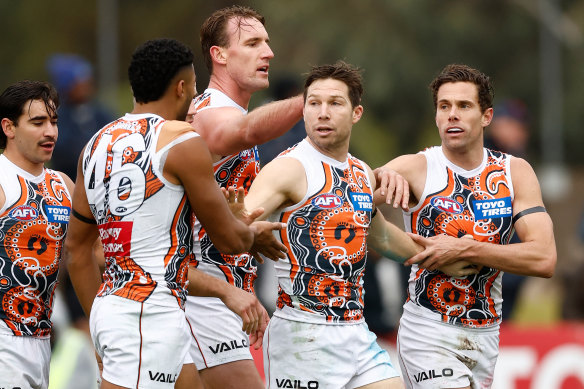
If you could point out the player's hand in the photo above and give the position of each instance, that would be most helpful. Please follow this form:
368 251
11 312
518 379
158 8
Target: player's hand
393 187
236 201
459 269
265 243
439 251
256 338
247 306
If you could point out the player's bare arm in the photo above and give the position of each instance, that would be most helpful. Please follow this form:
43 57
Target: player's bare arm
393 243
264 242
79 246
280 183
401 180
534 256
227 131
189 163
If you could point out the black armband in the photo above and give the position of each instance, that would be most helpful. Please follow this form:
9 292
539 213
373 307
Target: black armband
527 212
84 219
374 213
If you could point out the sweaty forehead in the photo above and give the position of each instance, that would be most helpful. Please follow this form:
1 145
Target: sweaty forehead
36 109
240 28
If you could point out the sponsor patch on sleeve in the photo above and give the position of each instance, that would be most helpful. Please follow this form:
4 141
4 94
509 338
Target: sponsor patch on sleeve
361 201
57 213
492 209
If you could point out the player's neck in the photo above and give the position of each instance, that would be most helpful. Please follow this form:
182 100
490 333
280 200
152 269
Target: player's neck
227 85
467 158
34 168
158 107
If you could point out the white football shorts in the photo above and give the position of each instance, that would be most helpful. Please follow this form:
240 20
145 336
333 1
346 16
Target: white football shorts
324 356
433 354
216 333
141 345
24 362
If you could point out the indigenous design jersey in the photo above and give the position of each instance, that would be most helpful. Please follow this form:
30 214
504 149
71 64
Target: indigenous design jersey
458 202
33 223
143 220
321 280
233 171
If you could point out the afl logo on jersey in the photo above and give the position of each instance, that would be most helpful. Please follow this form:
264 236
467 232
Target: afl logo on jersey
23 213
446 204
327 201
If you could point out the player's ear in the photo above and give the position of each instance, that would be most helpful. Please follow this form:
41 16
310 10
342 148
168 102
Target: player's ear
8 127
357 113
218 54
487 117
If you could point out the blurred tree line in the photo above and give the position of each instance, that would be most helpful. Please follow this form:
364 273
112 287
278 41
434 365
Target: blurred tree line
400 44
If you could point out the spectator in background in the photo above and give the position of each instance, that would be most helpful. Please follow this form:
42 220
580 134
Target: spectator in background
80 115
509 133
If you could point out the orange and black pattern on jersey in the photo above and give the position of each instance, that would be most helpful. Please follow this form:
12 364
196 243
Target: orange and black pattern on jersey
129 181
326 241
482 207
31 238
236 171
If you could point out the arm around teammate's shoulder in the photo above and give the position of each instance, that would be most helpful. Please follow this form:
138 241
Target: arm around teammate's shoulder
189 162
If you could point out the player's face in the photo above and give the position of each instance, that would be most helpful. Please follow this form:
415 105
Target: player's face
459 118
248 55
33 139
329 116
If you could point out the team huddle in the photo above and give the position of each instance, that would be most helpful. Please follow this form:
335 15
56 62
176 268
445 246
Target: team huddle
173 198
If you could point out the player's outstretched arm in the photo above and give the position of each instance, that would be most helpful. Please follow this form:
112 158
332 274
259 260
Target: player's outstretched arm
227 130
396 177
264 242
78 251
189 163
534 256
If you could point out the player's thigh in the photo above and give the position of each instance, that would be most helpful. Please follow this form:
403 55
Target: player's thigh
189 378
232 375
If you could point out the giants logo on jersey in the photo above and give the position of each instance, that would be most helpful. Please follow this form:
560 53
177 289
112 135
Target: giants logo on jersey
327 201
446 204
23 213
491 209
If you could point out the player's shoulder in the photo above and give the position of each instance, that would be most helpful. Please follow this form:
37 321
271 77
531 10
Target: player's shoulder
177 128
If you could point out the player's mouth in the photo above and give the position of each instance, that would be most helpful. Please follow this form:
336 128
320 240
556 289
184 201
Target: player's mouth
263 69
324 130
47 146
454 130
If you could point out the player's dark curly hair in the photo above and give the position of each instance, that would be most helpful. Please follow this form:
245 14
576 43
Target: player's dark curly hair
341 71
464 73
214 29
154 64
15 97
